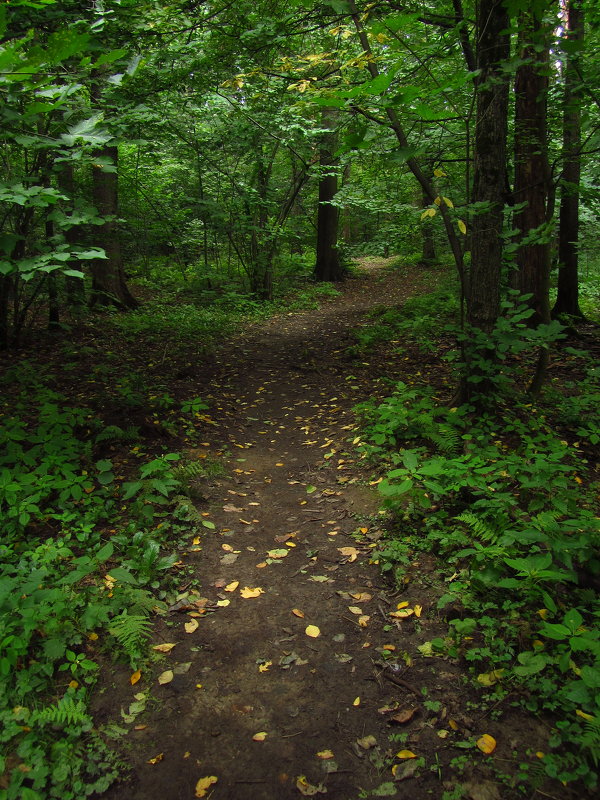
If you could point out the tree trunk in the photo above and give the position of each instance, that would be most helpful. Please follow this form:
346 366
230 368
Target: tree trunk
567 299
489 169
108 279
74 286
532 174
428 256
328 266
489 164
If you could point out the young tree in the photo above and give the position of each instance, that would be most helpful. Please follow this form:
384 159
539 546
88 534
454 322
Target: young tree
567 299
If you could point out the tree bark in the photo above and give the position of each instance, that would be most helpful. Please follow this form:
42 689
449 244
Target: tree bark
567 299
328 266
493 50
108 278
532 173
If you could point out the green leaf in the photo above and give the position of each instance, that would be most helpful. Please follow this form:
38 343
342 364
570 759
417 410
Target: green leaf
105 552
208 524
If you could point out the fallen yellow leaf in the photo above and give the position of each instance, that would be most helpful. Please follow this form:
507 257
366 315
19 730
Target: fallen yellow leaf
403 604
260 737
223 603
355 610
204 785
363 620
297 613
196 540
164 648
367 742
227 547
356 701
324 754
312 631
406 612
406 754
351 553
265 667
248 592
231 587
486 743
453 724
362 597
490 678
156 759
135 677
165 677
191 626
418 611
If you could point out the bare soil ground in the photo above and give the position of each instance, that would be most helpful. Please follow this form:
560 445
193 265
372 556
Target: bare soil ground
296 689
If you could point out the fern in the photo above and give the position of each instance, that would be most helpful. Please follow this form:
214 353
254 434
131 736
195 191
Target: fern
591 738
66 712
189 471
131 631
483 530
444 437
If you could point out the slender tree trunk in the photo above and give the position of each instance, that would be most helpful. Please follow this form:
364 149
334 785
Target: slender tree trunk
108 278
328 266
428 256
74 286
532 173
567 299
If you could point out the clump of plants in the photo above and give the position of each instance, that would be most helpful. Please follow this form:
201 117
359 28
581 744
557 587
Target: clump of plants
508 497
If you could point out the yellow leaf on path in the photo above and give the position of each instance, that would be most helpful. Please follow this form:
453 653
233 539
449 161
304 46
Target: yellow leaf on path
367 742
204 785
260 737
406 612
403 604
351 553
355 610
362 597
223 603
248 592
356 701
165 677
418 611
297 613
486 743
191 626
406 754
164 648
139 727
135 677
231 587
156 759
453 724
388 647
325 754
363 620
312 631
265 667
196 540
443 734
227 547
261 565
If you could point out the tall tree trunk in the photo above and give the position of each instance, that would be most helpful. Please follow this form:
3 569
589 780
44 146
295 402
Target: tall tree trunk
328 266
493 50
567 299
532 174
74 286
428 256
108 278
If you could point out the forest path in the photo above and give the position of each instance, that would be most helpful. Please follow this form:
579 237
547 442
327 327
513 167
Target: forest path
282 399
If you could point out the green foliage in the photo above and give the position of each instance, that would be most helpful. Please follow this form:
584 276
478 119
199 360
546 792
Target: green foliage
502 501
64 586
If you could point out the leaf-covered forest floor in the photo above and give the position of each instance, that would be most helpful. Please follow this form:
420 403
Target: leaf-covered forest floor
305 683
285 664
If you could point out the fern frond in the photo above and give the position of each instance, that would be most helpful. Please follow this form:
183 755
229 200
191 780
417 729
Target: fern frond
131 631
66 712
482 529
444 437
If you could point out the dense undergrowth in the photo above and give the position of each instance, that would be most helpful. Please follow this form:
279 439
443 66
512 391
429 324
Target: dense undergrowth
507 497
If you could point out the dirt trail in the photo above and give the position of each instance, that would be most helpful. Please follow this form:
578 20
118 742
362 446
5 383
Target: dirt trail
282 395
